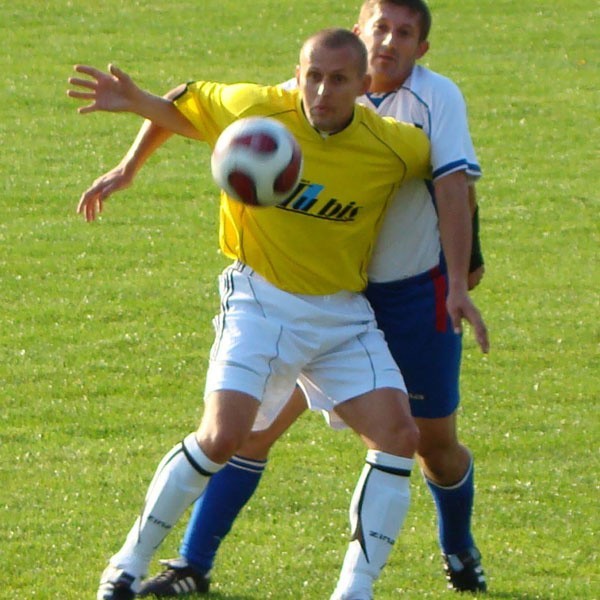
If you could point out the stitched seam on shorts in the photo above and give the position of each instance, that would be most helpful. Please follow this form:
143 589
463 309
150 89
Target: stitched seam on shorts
259 304
274 357
220 328
373 372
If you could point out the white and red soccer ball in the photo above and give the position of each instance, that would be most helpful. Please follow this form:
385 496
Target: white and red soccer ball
257 161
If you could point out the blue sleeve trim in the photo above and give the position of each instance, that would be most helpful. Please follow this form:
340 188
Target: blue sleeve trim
459 165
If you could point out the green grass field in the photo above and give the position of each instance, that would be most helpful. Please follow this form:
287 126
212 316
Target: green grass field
105 328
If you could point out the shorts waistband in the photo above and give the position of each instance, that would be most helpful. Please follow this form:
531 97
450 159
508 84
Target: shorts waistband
241 267
431 274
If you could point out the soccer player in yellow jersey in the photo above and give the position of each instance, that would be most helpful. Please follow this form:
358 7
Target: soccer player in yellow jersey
338 215
291 304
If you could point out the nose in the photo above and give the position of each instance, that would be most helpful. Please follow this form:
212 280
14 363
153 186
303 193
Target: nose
321 89
388 40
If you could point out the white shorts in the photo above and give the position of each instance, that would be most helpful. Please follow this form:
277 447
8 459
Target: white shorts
265 339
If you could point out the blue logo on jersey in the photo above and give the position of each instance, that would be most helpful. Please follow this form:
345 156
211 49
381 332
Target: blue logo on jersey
307 199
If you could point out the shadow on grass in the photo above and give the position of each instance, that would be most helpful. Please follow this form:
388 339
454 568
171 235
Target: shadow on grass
513 596
223 596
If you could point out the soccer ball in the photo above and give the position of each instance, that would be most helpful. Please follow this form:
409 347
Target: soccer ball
257 161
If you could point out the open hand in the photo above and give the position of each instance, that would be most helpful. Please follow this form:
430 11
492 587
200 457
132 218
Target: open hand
113 91
92 200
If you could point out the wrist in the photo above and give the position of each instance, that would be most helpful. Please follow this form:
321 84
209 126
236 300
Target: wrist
458 284
128 166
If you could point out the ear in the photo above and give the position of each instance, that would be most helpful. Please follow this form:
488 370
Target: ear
422 49
356 29
298 75
366 84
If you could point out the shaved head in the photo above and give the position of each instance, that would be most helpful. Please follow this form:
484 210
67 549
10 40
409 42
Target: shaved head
335 39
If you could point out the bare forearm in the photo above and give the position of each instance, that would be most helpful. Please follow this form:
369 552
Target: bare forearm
149 138
163 113
452 197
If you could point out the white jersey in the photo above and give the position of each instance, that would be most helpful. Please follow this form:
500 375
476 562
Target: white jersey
409 241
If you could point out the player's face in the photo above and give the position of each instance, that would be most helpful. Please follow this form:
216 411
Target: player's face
330 81
391 36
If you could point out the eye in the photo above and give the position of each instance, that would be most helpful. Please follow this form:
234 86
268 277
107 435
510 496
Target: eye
404 33
380 27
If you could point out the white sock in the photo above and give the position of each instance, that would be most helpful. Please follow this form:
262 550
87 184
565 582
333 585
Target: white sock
377 512
179 480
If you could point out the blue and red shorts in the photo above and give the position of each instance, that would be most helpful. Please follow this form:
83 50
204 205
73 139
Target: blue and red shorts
412 315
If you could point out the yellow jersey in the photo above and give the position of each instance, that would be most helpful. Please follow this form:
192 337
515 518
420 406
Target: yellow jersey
320 240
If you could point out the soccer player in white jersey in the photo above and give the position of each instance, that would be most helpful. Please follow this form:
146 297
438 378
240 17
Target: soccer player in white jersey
409 283
246 386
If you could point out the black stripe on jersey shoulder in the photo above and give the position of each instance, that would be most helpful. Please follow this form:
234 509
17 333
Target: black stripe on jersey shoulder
186 87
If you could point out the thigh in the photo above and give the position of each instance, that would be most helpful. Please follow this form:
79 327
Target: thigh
423 344
382 418
226 423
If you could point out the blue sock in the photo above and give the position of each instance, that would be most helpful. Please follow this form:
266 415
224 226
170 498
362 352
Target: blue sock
454 506
216 510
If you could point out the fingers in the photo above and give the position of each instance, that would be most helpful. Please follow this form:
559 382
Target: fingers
88 205
114 70
81 95
456 318
86 83
464 309
89 209
91 201
89 70
481 335
480 330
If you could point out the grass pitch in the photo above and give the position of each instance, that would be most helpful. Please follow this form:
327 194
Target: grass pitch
105 328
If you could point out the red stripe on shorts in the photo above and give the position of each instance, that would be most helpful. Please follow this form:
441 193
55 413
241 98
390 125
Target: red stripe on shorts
440 289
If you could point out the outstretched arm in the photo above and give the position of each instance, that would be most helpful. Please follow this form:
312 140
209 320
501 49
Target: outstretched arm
149 138
115 91
107 92
452 197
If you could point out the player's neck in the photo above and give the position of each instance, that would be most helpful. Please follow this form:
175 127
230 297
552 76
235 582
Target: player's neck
385 85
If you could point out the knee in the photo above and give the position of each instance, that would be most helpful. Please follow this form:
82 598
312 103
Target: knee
220 445
410 436
435 446
439 441
257 445
401 439
444 463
